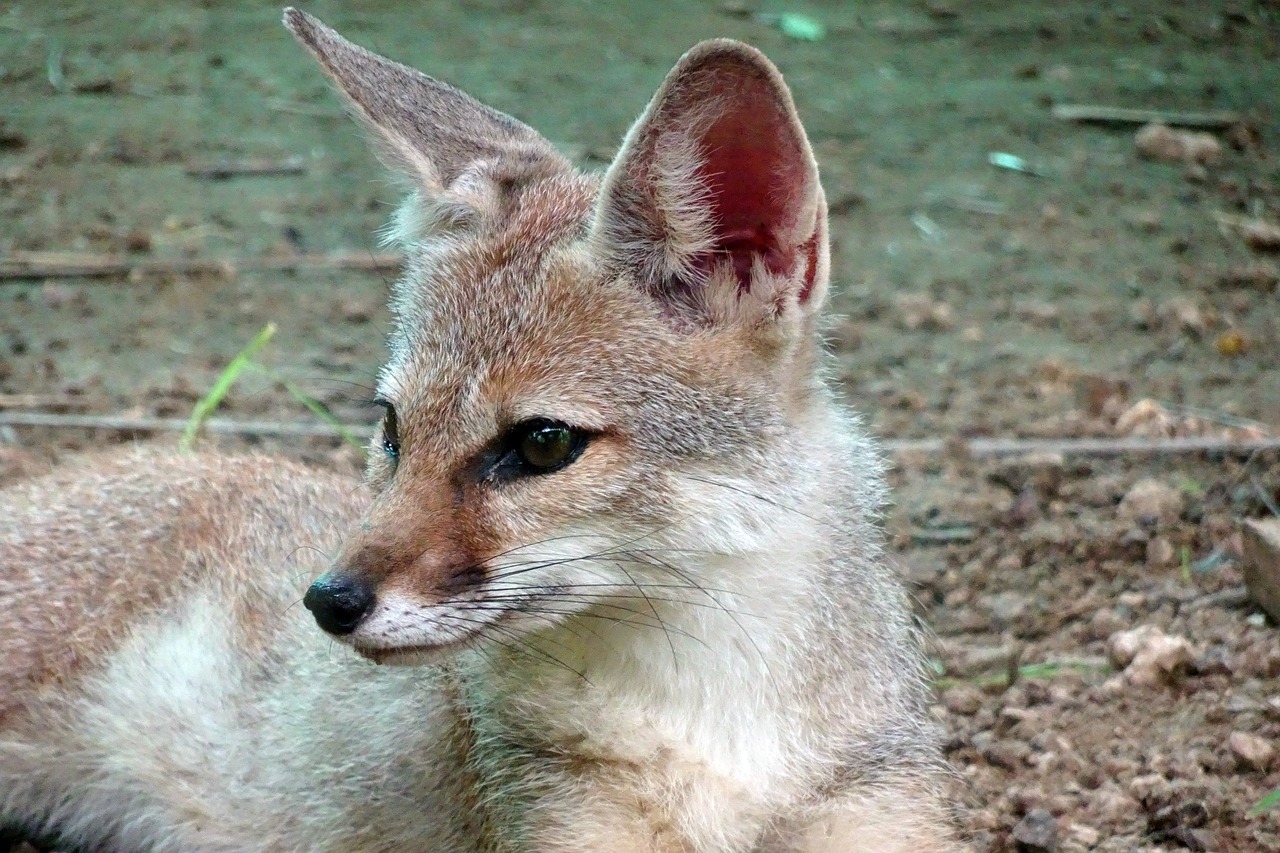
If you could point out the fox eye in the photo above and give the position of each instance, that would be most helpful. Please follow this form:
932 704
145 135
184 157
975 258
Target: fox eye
537 446
390 432
546 445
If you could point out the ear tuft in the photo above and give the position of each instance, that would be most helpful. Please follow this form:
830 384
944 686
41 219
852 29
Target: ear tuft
714 201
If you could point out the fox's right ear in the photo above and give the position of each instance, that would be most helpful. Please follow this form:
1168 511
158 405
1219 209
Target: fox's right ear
713 204
425 129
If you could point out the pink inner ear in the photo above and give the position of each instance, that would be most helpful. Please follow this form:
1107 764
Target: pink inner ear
755 171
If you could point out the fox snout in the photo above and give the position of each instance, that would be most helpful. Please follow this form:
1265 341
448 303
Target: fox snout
339 601
371 593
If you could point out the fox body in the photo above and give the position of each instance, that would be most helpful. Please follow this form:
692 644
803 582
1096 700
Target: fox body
616 530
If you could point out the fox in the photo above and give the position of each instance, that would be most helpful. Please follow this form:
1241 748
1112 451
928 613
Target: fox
614 580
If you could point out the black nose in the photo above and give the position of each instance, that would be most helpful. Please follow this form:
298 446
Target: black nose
339 602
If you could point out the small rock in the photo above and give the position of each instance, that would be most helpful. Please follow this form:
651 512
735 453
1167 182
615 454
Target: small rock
1042 472
1007 754
138 240
1150 501
1037 832
352 310
17 464
1180 823
1184 315
1261 547
1007 607
920 311
1149 656
1040 314
1084 835
1151 789
1166 145
1251 751
1105 622
1160 552
1102 396
1261 236
1257 276
1146 419
1113 806
963 699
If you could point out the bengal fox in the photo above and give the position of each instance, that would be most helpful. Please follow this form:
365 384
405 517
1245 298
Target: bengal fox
615 522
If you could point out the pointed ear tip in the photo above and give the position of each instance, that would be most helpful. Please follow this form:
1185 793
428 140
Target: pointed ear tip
729 51
298 22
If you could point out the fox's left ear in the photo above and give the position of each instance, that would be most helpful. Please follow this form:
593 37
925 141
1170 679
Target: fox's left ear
713 204
426 130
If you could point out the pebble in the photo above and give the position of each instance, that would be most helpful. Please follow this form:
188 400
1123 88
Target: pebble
921 311
1251 752
1149 656
963 699
1160 553
1009 606
1150 501
1084 834
1037 832
1147 419
1042 472
1113 806
1009 755
1160 142
1261 548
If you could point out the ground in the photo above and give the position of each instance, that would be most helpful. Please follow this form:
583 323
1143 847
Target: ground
1105 294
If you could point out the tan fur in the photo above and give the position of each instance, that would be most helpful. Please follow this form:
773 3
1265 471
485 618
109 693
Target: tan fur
685 641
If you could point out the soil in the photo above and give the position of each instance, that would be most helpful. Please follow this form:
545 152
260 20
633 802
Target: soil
1108 293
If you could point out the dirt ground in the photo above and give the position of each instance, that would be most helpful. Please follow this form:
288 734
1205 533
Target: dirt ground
1104 294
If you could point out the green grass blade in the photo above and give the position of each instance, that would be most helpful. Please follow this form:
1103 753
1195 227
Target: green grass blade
319 410
1270 801
209 402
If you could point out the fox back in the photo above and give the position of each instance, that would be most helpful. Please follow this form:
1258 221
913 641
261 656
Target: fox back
618 535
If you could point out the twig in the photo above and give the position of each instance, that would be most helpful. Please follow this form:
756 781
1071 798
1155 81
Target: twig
986 447
1230 598
1099 114
246 168
29 265
41 401
222 426
978 447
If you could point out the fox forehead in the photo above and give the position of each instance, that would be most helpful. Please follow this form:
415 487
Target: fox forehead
506 314
501 298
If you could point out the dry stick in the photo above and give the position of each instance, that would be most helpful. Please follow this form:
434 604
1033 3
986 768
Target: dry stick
41 401
29 265
125 423
1129 445
1099 114
246 168
978 447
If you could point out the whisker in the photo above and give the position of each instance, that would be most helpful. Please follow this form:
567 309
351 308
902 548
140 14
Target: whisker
762 498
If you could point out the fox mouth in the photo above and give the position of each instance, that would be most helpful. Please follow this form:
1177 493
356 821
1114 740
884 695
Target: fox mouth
418 654
407 655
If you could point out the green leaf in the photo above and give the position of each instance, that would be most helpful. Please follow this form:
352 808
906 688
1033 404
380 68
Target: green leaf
801 27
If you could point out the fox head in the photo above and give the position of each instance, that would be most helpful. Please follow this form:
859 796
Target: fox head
597 386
